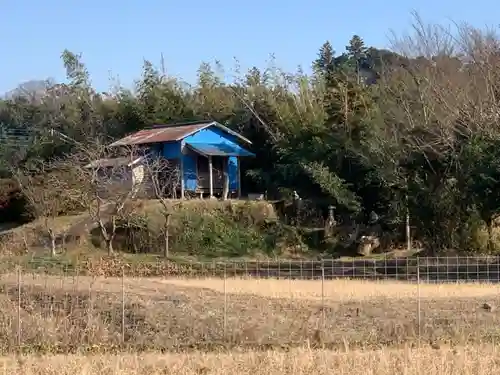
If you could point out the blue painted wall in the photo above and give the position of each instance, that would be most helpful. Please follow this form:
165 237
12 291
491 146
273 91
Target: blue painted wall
213 135
190 172
217 136
233 165
173 150
156 149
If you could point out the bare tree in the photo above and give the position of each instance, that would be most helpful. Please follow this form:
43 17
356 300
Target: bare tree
441 99
447 88
43 195
164 177
104 183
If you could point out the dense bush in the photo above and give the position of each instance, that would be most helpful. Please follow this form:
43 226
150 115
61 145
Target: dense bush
213 230
13 205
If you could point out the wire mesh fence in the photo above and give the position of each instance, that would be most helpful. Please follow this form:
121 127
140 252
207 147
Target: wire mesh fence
328 302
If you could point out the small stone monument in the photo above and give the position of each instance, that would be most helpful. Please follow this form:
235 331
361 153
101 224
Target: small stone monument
330 222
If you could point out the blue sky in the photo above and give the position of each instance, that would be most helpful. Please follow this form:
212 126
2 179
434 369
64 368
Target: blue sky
115 36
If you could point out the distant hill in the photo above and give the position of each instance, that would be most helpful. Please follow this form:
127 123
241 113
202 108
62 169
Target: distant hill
33 89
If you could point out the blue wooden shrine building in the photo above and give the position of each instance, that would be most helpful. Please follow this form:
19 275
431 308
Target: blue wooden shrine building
207 154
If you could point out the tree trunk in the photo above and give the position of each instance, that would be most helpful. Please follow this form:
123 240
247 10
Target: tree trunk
166 232
52 236
109 245
111 236
166 250
108 237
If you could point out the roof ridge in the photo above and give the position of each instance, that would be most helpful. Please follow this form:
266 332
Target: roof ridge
172 132
179 124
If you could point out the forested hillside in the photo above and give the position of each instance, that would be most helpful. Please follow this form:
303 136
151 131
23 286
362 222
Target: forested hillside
410 131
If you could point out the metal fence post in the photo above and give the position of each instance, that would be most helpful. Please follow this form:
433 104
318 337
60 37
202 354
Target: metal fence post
19 270
323 295
488 269
385 268
90 311
419 325
123 305
225 302
497 262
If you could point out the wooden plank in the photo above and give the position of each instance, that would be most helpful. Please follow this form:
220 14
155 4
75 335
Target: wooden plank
182 175
210 176
239 177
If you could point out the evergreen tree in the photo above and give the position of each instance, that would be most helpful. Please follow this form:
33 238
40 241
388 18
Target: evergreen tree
324 65
356 53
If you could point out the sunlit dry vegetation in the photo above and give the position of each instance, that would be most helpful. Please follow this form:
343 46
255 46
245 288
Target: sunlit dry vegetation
89 314
342 289
401 147
272 326
446 361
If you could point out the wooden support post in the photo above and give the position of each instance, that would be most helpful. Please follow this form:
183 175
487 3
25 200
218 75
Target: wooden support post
225 175
238 160
182 175
210 176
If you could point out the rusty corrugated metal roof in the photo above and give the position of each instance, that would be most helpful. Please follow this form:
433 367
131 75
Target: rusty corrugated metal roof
160 134
171 133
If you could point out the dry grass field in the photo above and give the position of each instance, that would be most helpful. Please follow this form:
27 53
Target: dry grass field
256 326
482 360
